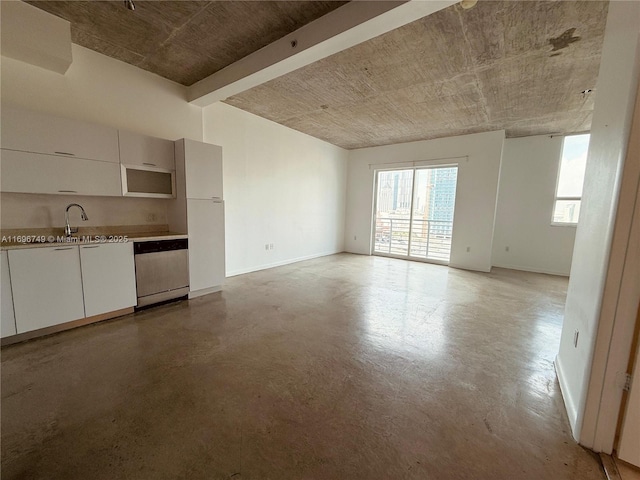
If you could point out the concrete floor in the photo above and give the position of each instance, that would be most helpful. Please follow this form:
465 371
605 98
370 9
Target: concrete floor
343 367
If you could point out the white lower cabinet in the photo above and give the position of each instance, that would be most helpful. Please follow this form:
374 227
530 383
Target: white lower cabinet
46 285
8 319
108 277
55 285
205 223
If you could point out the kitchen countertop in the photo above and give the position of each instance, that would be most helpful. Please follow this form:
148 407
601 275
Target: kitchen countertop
35 240
150 236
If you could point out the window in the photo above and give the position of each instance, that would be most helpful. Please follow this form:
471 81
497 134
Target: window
566 208
414 213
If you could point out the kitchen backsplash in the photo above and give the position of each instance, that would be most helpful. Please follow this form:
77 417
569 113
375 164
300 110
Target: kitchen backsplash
22 210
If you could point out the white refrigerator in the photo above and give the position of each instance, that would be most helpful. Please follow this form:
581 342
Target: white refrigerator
199 210
205 224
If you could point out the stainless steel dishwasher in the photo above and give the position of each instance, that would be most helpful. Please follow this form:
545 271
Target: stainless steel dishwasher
162 270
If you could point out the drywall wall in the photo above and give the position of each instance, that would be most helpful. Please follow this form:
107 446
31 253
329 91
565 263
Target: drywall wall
35 36
620 301
478 159
281 187
616 91
25 210
525 208
100 89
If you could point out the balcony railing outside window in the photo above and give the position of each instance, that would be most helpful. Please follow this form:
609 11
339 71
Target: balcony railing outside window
420 238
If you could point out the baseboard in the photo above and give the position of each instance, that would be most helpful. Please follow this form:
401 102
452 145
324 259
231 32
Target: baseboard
532 270
266 266
471 268
205 291
569 403
358 252
610 467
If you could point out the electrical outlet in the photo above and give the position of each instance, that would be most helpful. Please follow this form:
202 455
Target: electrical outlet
151 217
271 246
506 249
266 246
468 249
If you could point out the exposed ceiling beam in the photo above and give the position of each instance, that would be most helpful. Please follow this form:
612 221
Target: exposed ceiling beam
349 25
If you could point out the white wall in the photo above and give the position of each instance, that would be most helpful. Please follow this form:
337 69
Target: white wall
616 90
24 210
475 195
100 89
35 36
525 208
620 300
281 187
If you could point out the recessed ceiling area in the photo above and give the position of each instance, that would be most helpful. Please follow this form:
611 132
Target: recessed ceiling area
518 66
184 41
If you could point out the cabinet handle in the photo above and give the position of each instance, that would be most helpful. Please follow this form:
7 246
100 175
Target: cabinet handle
66 153
216 198
65 248
92 246
150 164
67 191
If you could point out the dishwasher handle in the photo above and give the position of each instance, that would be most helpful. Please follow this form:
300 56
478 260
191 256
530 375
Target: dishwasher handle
153 246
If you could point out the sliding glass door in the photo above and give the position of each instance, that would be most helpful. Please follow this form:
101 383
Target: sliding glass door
414 213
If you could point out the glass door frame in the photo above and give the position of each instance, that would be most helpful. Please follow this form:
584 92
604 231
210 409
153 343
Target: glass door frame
408 256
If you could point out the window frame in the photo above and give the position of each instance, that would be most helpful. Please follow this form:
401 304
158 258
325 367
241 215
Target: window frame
557 198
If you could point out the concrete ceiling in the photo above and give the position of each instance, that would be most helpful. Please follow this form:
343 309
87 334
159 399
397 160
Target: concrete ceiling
514 65
183 41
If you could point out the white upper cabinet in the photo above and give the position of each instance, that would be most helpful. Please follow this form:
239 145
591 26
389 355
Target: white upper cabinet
108 277
137 149
24 172
202 169
47 286
30 131
8 320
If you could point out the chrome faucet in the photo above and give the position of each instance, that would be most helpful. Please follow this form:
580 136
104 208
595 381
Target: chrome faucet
68 230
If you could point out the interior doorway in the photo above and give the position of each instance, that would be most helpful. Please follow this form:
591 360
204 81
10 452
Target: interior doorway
413 215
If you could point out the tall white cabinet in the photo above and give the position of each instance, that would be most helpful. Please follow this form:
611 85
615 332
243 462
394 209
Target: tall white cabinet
205 223
199 211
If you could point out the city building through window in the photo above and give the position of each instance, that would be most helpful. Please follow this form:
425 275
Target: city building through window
414 213
566 209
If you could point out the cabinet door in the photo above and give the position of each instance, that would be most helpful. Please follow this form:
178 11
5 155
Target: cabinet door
108 277
30 131
203 170
205 223
8 321
151 182
137 149
47 286
34 173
